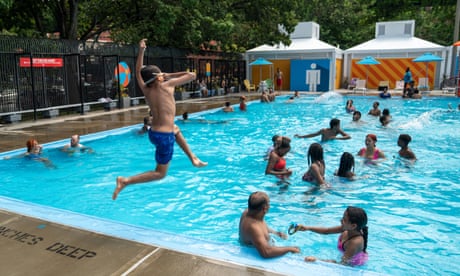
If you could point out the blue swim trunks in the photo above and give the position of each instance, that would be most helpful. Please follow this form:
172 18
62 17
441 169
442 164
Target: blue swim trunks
164 143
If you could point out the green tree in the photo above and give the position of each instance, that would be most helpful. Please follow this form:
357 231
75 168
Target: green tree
343 23
234 25
37 18
190 23
429 25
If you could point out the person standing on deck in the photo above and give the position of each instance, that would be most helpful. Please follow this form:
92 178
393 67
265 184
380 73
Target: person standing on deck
279 79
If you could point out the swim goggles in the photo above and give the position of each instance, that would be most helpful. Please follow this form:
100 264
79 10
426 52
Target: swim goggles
293 228
155 76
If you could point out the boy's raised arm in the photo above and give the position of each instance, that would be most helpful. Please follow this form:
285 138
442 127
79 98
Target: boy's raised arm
140 62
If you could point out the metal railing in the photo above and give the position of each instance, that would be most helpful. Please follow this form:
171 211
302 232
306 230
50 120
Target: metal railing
42 74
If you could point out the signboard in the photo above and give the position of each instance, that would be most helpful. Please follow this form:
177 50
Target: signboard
41 62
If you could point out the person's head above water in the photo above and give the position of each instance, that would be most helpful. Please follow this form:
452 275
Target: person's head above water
257 201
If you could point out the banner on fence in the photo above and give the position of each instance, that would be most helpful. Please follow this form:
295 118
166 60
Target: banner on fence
41 62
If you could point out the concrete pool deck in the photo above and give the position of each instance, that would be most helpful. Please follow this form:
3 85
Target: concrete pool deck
39 247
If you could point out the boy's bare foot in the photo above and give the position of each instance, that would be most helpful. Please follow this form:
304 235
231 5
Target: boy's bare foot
198 163
120 186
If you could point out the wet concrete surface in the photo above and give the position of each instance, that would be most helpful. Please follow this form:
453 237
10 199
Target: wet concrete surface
14 136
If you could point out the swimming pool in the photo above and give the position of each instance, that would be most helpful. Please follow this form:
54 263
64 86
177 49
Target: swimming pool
412 210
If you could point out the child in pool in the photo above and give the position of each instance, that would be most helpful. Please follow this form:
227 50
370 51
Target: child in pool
276 163
328 133
349 107
405 151
316 171
243 105
357 117
34 152
347 166
386 117
371 152
352 240
375 111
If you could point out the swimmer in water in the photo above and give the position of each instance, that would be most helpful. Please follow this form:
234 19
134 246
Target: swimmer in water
353 237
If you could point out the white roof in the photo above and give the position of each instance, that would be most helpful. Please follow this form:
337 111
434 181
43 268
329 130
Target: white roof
395 44
304 42
297 45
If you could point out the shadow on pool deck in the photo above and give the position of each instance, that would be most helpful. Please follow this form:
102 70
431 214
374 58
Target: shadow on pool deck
34 246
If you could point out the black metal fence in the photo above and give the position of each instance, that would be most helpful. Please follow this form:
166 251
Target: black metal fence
37 75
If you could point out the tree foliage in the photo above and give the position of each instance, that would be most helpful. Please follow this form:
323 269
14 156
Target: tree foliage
229 25
343 23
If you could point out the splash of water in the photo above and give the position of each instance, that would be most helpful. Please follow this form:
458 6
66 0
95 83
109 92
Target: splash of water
329 98
420 122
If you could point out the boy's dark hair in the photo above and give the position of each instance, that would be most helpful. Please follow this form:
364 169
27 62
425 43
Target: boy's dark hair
150 73
405 138
334 122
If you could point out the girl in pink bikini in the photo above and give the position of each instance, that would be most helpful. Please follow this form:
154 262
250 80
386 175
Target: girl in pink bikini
352 240
371 152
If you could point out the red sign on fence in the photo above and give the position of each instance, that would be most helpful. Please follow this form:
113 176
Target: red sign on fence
41 62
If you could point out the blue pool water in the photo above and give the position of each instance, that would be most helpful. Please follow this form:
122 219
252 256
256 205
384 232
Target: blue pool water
413 210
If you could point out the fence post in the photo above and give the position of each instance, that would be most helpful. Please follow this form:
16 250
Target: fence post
34 98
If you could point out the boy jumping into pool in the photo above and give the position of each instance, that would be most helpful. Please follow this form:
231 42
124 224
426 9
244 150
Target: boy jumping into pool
158 89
